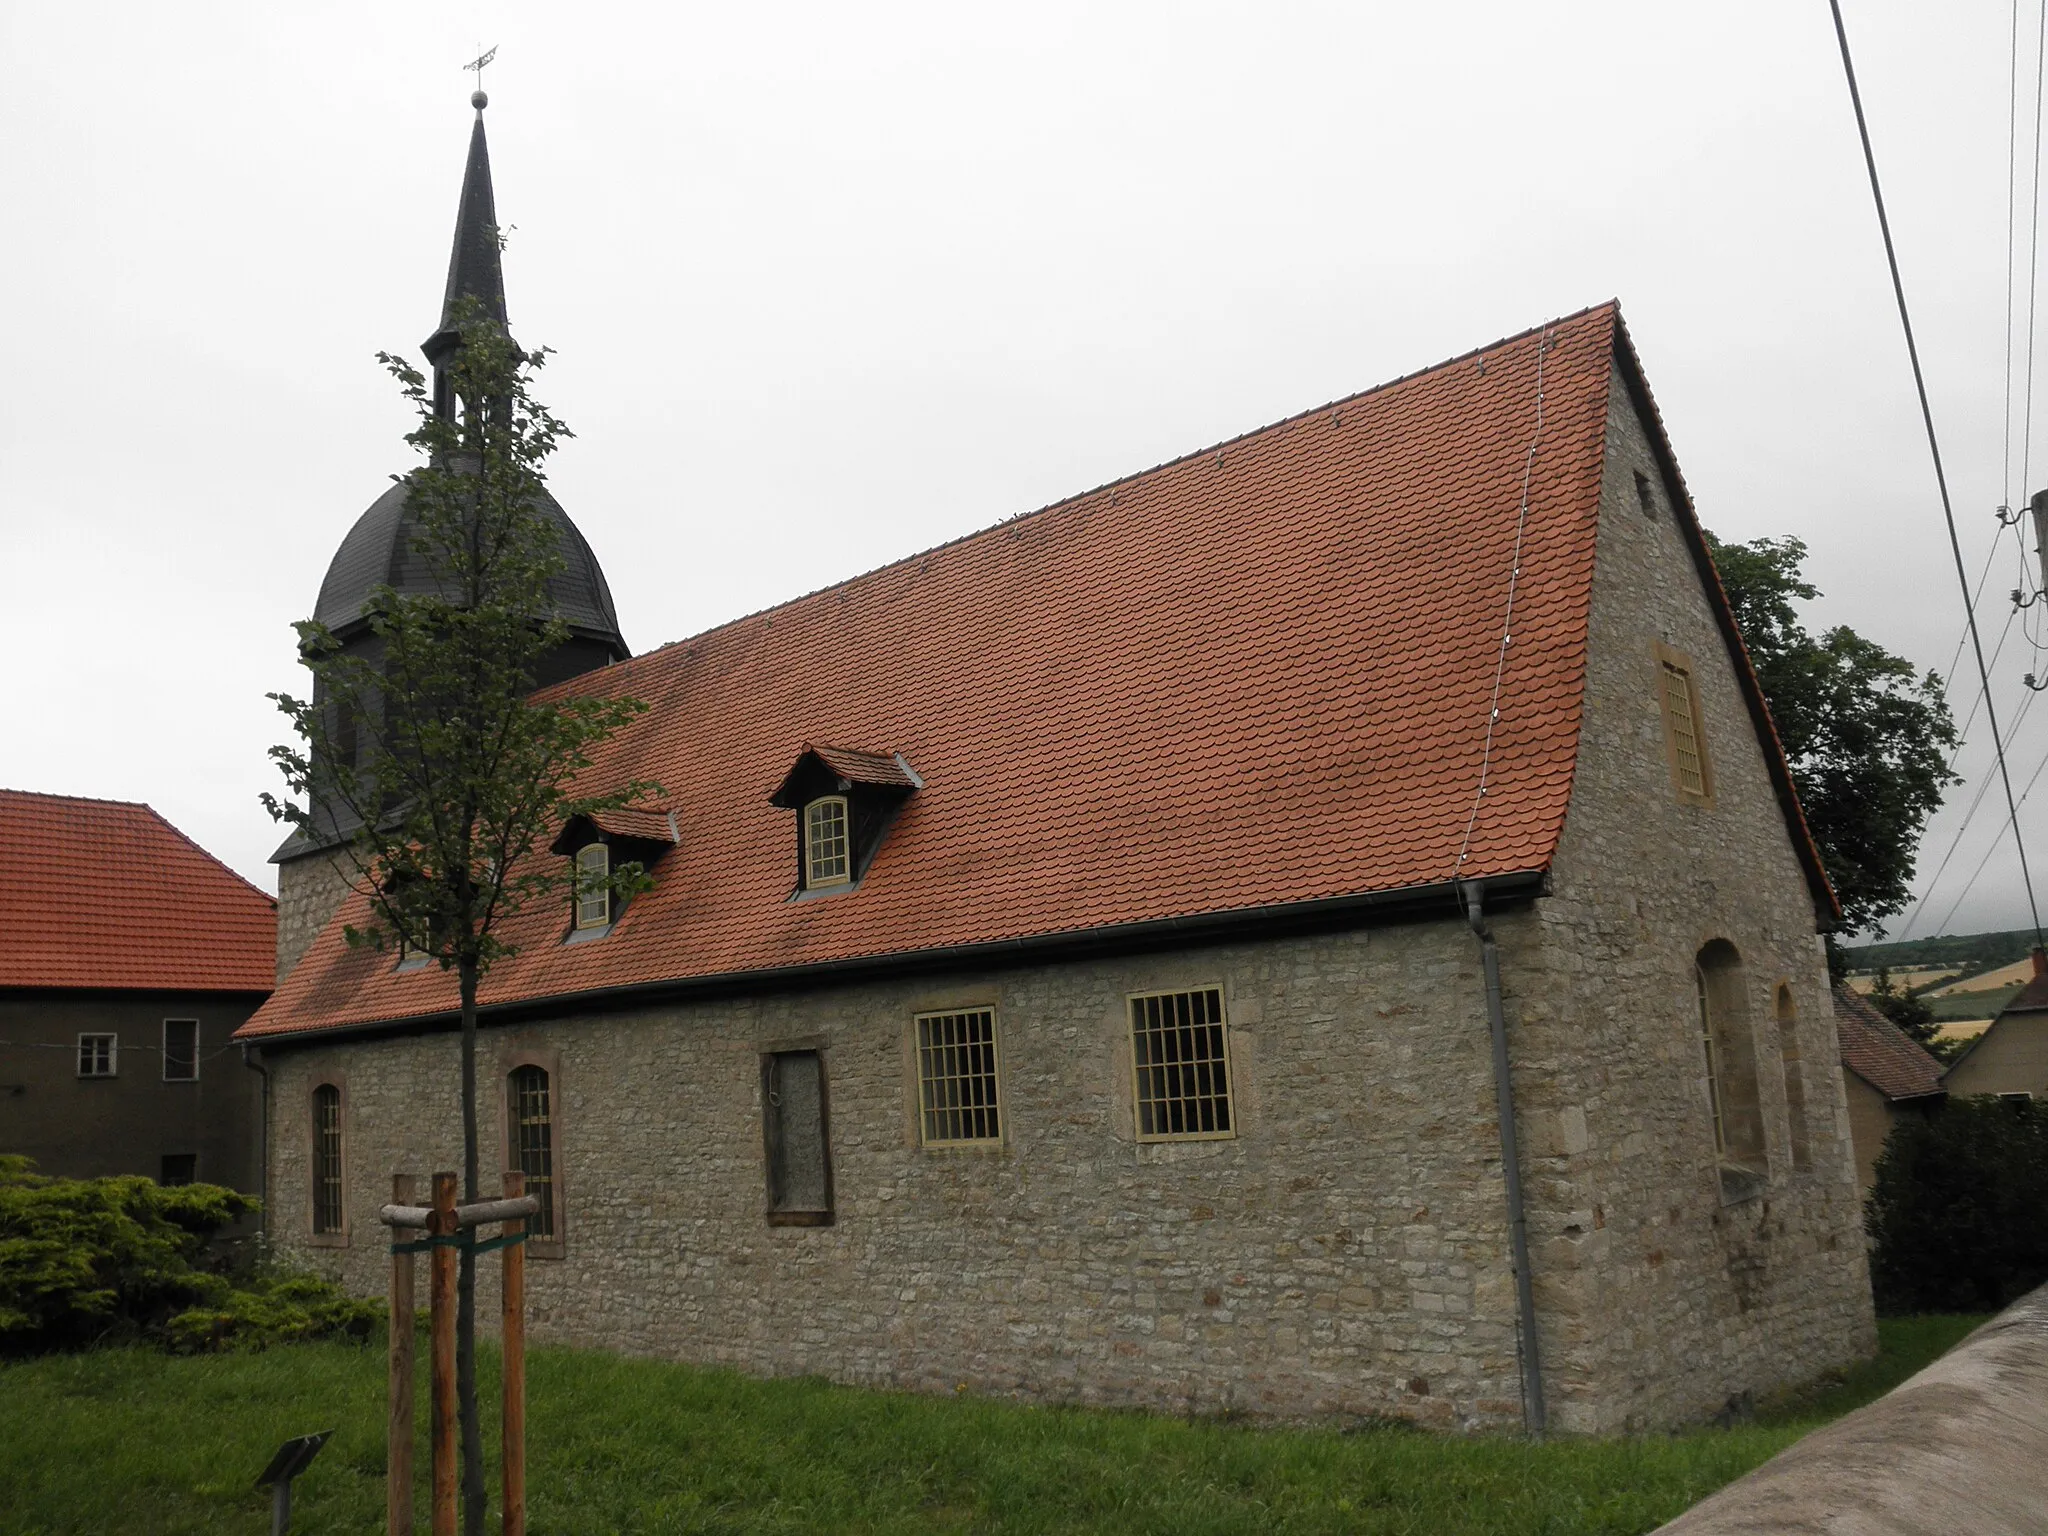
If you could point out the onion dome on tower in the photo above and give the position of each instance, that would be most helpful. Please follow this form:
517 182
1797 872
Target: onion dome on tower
378 549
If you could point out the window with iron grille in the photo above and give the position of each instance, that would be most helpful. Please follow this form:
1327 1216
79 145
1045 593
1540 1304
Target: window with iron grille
956 1077
328 1207
181 1050
1180 1057
593 889
827 851
97 1055
533 1143
1713 1070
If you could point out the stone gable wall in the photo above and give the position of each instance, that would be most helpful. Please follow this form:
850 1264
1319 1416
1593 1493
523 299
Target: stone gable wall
309 892
1659 1298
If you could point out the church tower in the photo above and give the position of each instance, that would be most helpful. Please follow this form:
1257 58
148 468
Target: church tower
378 549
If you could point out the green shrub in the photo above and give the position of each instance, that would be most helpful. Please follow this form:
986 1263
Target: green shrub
87 1260
1956 1212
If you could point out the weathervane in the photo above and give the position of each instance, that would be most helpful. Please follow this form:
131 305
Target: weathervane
478 64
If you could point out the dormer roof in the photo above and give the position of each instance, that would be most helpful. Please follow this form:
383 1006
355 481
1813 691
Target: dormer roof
873 770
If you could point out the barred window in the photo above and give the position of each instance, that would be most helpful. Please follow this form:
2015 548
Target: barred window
1713 1070
1181 1060
956 1077
533 1143
593 888
181 1051
97 1055
827 857
327 1150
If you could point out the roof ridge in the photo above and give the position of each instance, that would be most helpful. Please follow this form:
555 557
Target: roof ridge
1014 518
44 794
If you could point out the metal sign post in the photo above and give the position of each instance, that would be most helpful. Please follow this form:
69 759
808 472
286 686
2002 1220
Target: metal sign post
292 1458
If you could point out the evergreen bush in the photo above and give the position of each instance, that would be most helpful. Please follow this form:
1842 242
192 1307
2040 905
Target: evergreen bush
84 1261
1955 1216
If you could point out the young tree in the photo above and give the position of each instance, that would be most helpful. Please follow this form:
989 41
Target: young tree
1899 1004
1866 736
423 759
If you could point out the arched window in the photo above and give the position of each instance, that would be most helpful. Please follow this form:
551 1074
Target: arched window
329 1206
531 1117
1727 1041
1795 1076
593 886
827 849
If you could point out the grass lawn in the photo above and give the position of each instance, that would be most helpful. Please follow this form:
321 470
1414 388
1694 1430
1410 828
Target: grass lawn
125 1440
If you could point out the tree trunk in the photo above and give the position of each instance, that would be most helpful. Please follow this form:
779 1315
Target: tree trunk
474 1496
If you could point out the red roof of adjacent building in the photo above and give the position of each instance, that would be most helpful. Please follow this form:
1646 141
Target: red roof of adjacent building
106 893
1881 1053
1257 675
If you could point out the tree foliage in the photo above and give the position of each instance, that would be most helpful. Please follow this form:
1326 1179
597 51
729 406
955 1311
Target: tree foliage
1867 737
424 755
1955 1214
1910 1012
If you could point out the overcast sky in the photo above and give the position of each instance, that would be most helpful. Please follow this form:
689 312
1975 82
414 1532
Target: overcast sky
831 284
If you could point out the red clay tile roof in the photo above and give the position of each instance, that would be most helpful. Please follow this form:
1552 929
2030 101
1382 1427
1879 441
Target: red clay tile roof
106 893
1880 1052
1257 675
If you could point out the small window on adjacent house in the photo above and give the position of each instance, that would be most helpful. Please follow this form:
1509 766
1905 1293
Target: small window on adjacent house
827 855
1685 739
593 886
181 1051
533 1144
328 1208
179 1168
956 1078
1181 1058
794 1129
1795 1077
97 1055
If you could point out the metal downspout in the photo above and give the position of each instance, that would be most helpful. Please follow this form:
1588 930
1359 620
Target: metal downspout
252 1057
1528 1350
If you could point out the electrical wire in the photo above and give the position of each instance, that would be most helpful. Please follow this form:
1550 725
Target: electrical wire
2033 246
1934 448
2012 170
1981 863
1507 623
1969 816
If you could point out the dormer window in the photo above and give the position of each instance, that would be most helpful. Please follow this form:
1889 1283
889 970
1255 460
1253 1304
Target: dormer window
845 802
593 886
827 860
598 844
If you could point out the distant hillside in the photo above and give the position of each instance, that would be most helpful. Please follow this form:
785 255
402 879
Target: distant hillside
1968 952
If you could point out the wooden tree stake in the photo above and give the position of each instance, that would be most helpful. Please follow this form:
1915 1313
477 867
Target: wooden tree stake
441 1328
513 1341
398 1425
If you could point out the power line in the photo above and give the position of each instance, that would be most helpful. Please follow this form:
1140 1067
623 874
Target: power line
1969 816
1891 257
2012 169
1956 905
2033 247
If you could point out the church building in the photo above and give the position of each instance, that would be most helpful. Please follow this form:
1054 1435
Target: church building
1318 928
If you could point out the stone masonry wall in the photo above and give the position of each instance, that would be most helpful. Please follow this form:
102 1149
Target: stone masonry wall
1344 1254
309 889
1658 1299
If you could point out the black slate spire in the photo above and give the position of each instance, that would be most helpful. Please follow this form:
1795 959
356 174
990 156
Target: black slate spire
474 268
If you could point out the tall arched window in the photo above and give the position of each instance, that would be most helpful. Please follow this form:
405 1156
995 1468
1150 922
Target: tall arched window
1728 1043
1795 1076
329 1206
531 1116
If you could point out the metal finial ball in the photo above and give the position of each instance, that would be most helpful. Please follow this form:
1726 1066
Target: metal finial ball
479 100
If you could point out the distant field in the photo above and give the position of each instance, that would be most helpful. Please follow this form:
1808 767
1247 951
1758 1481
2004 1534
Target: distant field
2014 976
1865 981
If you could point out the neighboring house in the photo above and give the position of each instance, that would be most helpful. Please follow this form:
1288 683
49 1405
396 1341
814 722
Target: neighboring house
129 956
1063 971
2010 1058
1887 1075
